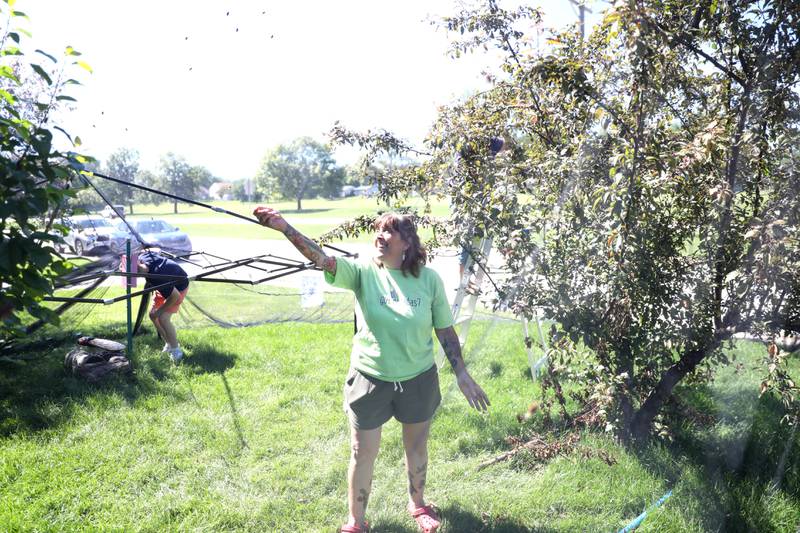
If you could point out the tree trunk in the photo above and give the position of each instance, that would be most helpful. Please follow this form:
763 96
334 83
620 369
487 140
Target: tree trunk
131 208
299 203
643 418
175 206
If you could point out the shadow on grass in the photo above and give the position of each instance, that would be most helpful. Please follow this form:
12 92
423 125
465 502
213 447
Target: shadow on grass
456 519
742 459
38 394
205 358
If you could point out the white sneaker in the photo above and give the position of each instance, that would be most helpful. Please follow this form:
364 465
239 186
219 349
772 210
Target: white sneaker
176 354
166 348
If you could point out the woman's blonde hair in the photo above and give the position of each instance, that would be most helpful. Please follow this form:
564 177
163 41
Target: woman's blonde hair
416 256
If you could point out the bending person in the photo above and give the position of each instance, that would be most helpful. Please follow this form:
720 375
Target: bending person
392 370
168 298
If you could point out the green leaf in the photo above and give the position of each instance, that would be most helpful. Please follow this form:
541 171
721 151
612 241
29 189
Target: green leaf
42 142
5 95
5 263
45 54
65 97
14 36
21 127
40 71
40 258
84 65
8 72
71 51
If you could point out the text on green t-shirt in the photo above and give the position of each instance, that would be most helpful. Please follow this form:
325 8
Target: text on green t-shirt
396 315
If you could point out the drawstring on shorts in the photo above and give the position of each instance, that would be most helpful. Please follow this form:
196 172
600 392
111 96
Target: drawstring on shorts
398 386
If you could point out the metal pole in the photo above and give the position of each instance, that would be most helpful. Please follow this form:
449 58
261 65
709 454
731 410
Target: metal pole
128 294
582 9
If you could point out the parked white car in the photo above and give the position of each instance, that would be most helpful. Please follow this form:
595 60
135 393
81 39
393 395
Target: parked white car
92 234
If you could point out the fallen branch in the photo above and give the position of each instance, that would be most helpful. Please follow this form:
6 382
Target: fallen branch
537 447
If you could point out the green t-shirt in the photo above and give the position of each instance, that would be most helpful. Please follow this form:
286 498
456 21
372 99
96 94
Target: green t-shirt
396 315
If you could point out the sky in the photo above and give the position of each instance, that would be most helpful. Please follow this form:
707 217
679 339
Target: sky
220 83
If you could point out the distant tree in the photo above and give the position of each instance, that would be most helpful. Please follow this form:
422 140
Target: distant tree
353 175
333 182
148 179
239 191
175 177
202 178
84 198
122 164
303 169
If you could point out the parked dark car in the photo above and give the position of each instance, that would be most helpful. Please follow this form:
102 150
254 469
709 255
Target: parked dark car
92 234
156 232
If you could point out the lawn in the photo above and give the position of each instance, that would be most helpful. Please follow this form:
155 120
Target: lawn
248 435
317 217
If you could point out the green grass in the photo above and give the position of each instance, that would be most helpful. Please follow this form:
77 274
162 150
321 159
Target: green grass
317 217
248 435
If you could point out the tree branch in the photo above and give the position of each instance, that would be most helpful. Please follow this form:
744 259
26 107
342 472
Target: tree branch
681 39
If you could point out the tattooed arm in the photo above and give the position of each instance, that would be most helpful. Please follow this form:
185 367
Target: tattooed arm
273 219
452 349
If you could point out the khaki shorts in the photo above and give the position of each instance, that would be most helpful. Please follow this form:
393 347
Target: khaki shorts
370 402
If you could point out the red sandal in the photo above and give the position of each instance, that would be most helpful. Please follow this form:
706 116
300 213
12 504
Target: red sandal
364 528
427 518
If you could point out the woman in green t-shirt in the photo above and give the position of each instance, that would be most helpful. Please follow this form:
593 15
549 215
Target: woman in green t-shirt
392 370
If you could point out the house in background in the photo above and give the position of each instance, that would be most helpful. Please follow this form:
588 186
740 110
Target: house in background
361 190
221 190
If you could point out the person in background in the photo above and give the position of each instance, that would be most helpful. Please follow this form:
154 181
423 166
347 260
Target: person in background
400 301
169 295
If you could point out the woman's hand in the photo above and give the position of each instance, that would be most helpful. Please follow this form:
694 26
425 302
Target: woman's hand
472 391
270 218
273 219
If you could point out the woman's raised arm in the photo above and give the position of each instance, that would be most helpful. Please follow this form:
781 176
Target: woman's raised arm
312 251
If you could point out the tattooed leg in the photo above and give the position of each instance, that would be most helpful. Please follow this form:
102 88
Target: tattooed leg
364 448
415 442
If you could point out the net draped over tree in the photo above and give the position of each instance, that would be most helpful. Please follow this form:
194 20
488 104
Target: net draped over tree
649 202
